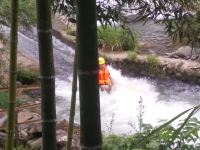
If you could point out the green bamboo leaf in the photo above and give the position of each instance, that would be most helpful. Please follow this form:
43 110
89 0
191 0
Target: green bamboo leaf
142 141
184 123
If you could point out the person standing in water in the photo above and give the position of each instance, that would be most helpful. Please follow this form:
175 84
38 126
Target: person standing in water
105 81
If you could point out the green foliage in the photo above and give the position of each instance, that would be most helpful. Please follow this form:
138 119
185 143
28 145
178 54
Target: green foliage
26 76
69 30
153 61
106 14
186 30
110 125
187 139
20 147
111 38
181 18
141 126
4 100
3 63
27 12
132 55
185 136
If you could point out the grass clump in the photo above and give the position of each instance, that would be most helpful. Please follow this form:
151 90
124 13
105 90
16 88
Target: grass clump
152 60
116 39
20 147
26 76
132 55
4 100
70 30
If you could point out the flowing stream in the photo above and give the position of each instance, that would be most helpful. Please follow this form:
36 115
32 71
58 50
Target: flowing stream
162 99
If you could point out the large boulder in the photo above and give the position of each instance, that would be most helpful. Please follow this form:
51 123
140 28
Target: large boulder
185 52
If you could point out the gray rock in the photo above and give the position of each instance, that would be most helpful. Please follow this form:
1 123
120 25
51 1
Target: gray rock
61 135
35 143
3 120
2 139
185 52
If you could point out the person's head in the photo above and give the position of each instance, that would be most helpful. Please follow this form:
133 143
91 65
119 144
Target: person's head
102 62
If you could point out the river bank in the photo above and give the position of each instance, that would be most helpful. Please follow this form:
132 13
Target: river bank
156 67
182 67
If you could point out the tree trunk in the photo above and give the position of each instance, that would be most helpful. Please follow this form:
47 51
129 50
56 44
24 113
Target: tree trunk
73 104
90 122
12 75
44 27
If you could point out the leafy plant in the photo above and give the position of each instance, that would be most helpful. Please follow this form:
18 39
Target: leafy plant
27 12
113 39
132 55
20 147
110 125
4 100
187 139
26 76
152 62
70 30
164 137
140 114
174 135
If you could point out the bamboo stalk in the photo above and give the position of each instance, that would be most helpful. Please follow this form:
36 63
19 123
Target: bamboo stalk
16 129
90 121
48 110
73 104
12 75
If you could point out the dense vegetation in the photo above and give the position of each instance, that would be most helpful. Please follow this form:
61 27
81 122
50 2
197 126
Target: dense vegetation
4 102
181 18
27 12
187 139
116 39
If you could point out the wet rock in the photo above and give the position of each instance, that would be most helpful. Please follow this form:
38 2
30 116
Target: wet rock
185 52
24 115
62 124
35 143
35 128
1 44
2 138
3 120
28 128
61 135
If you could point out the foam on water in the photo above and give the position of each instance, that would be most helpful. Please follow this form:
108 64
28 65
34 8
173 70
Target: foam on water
121 105
161 100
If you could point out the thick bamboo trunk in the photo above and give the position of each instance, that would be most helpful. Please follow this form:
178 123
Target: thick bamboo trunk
12 75
44 27
90 122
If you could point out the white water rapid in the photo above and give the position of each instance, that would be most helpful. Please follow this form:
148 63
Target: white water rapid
121 106
162 99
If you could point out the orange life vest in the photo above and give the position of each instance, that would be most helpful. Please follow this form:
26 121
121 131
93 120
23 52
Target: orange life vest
104 77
